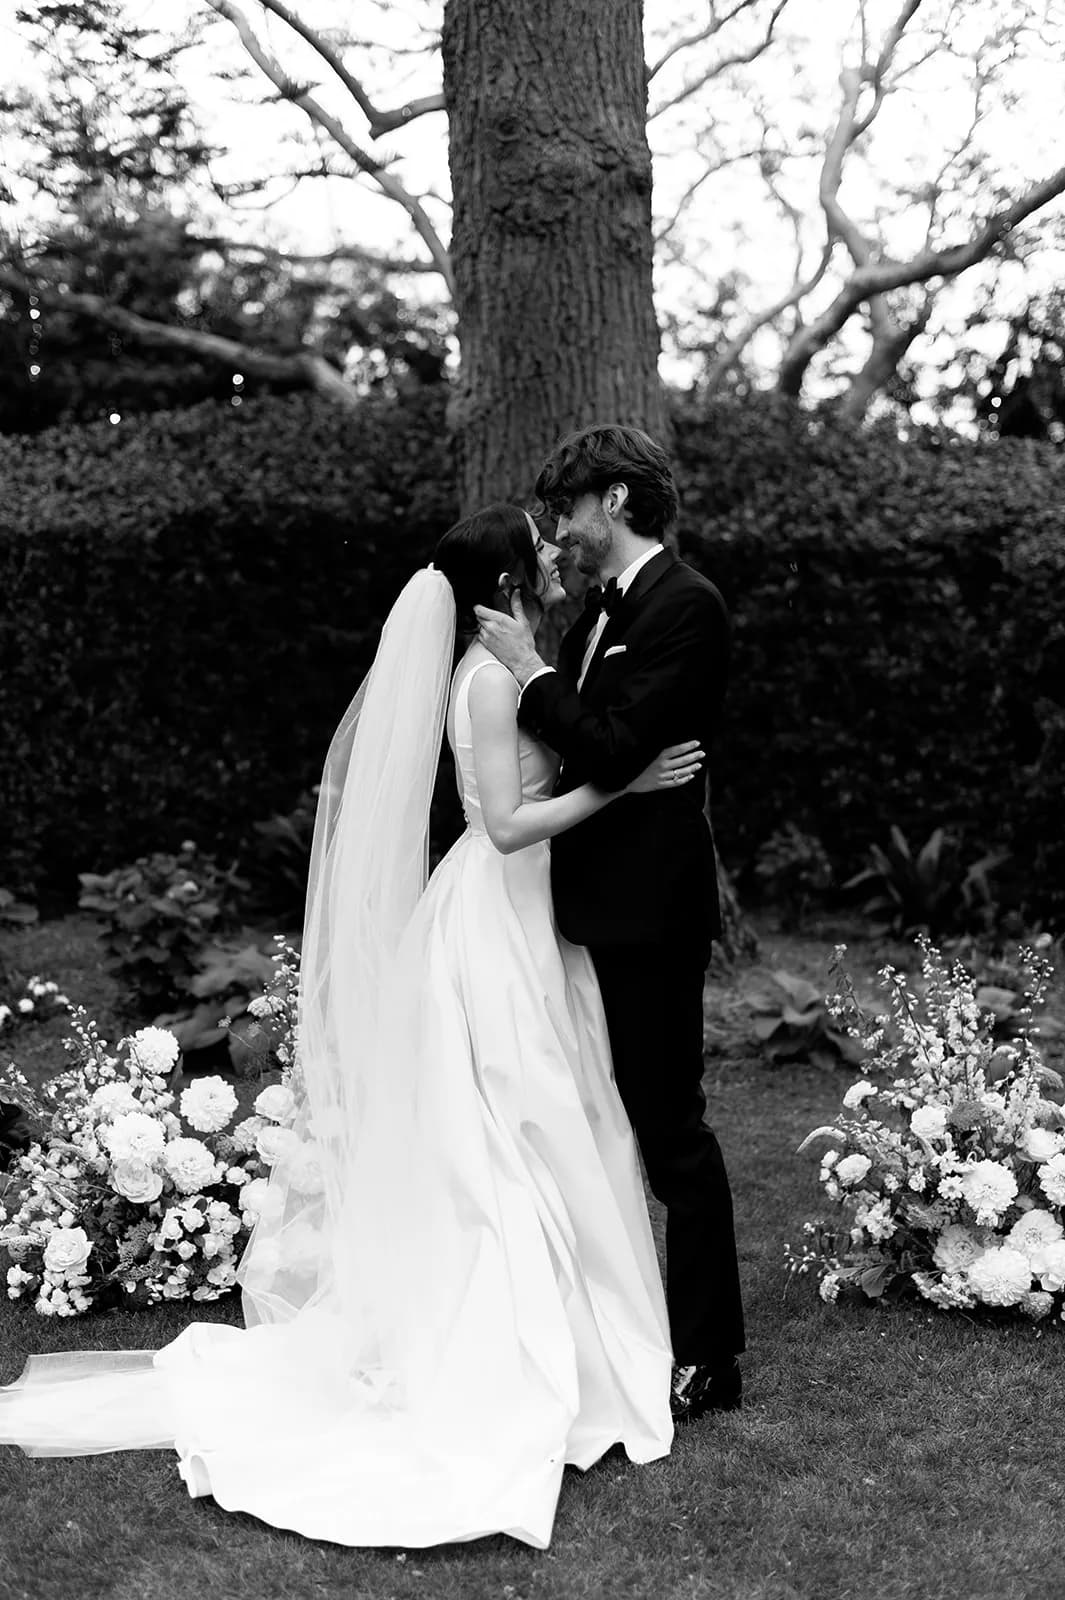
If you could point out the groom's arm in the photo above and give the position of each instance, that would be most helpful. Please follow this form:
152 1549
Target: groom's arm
673 677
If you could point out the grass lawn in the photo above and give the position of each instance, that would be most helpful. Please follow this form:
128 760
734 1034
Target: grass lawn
879 1454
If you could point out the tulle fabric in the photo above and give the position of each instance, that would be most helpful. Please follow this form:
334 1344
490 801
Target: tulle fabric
471 1298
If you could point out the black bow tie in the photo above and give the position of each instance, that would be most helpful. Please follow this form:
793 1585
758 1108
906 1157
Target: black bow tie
606 599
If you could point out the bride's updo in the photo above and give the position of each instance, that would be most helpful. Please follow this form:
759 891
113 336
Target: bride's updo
475 553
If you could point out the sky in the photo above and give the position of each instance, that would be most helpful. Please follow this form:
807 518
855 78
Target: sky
731 225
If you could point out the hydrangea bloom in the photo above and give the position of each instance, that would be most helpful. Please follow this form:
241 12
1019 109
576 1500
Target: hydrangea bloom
929 1122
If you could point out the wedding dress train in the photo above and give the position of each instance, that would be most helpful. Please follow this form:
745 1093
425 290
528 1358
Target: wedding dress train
495 1309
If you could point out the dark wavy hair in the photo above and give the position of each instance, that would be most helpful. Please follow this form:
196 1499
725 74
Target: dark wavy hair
590 460
476 551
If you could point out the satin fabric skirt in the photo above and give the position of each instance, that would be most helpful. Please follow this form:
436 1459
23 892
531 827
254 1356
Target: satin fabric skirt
505 1216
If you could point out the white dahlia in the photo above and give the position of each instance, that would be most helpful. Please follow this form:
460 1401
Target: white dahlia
208 1104
154 1049
956 1249
1052 1179
1000 1276
1034 1232
989 1188
190 1165
134 1134
113 1099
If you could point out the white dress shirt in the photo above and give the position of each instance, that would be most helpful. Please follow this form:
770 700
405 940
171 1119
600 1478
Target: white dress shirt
601 621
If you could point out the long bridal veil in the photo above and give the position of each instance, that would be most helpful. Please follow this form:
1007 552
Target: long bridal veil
332 1305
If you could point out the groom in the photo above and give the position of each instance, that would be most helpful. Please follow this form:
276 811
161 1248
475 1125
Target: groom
644 667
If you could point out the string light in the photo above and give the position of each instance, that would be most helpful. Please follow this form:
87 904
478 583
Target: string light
116 416
35 371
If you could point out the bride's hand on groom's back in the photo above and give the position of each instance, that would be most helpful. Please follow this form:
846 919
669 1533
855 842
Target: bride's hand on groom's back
677 764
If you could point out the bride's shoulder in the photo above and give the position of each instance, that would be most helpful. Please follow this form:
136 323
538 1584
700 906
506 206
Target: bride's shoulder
490 686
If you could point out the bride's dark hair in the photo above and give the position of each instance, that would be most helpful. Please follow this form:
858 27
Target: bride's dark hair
478 550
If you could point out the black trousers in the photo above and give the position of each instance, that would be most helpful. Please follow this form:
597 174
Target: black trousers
653 998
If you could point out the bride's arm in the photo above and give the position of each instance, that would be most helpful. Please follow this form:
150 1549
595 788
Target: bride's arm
513 823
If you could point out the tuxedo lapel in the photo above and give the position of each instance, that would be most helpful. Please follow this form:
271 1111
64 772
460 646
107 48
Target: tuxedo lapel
651 573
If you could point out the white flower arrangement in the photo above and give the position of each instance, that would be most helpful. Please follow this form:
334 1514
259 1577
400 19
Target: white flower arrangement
120 1198
948 1172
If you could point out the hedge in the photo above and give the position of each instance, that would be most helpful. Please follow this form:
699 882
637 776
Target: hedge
189 601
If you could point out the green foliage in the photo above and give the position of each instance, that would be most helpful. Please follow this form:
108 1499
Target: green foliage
160 915
194 597
930 889
792 1023
190 603
793 870
281 856
899 639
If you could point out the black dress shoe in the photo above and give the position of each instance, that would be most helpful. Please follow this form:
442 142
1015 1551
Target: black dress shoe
699 1389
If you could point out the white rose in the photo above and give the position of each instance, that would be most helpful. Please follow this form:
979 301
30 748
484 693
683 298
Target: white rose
112 1099
300 1247
929 1122
134 1134
852 1169
186 1250
1049 1267
67 1251
155 1050
190 1164
236 1175
276 1144
25 1006
260 1199
245 1133
137 1180
1040 1144
857 1093
1000 1276
276 1102
224 1275
262 1261
1052 1179
208 1104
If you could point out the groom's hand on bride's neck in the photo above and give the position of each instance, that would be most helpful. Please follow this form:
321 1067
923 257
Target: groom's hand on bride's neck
510 639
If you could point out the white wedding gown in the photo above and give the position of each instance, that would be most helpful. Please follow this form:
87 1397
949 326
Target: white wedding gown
501 1208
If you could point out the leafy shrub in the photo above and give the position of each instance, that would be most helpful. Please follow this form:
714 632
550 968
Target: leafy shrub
931 889
793 869
281 854
160 914
792 1023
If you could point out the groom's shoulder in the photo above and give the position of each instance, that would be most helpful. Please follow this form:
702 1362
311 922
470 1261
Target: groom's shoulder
687 581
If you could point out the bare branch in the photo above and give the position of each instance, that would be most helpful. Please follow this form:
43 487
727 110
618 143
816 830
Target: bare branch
307 367
882 363
738 58
321 118
693 188
880 277
380 121
689 40
326 258
761 319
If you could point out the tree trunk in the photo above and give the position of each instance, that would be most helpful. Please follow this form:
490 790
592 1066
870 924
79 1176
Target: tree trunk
551 245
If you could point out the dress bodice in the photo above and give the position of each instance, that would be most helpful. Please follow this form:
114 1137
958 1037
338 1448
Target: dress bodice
539 765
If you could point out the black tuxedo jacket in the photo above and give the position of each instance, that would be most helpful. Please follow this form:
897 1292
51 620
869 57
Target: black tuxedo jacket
641 871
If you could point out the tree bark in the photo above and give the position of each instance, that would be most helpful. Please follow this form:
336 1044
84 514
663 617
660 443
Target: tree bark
552 242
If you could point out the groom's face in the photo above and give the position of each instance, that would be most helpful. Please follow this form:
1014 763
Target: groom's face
586 534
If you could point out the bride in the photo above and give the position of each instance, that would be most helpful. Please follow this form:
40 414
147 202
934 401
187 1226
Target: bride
453 1292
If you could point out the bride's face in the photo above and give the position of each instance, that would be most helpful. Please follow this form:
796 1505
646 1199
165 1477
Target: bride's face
547 556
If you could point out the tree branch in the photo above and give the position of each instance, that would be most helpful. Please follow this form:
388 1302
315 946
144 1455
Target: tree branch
739 58
889 347
352 252
761 319
879 277
380 121
307 368
321 118
689 40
